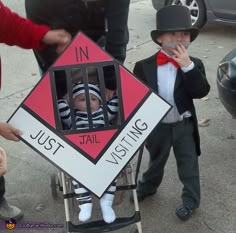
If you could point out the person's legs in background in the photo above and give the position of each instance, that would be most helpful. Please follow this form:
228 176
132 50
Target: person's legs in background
7 211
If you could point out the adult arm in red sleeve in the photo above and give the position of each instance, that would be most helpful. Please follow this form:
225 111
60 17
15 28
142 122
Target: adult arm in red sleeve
15 30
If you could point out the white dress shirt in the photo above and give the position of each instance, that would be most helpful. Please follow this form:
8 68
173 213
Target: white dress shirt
166 82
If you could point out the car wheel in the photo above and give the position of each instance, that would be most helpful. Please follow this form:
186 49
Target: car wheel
197 10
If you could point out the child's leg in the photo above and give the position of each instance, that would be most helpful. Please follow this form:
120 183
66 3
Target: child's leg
158 144
85 202
187 164
106 202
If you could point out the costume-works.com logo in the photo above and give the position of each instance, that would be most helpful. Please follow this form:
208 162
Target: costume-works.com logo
10 224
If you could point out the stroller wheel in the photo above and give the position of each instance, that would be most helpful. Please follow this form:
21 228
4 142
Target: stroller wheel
54 186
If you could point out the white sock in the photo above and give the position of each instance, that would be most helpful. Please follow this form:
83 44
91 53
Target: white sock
106 207
85 212
108 214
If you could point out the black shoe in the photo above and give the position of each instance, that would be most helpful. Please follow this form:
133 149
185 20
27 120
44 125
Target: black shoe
184 212
141 195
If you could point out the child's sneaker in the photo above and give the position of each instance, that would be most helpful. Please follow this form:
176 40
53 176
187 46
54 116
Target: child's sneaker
8 211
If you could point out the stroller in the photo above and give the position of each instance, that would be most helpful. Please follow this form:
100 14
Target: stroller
61 181
127 179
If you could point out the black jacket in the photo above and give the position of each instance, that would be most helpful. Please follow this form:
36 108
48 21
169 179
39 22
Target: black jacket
188 86
86 16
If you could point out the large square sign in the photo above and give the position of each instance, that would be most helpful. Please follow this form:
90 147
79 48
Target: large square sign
96 155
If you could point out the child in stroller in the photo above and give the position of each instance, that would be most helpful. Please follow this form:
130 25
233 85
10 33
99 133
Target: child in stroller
82 122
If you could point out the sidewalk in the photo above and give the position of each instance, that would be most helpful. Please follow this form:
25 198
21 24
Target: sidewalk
28 177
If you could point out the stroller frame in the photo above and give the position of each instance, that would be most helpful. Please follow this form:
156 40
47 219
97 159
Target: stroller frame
98 226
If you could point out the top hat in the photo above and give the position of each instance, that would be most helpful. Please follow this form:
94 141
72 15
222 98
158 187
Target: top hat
173 18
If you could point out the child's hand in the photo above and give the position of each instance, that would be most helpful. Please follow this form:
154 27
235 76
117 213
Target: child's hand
3 162
59 37
9 132
109 94
181 56
66 97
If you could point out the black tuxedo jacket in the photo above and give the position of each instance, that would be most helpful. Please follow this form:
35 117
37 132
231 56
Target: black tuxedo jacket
188 86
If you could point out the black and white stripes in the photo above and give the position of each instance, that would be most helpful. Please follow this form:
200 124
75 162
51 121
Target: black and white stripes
81 118
79 88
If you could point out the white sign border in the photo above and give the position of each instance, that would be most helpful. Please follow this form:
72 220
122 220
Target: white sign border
96 177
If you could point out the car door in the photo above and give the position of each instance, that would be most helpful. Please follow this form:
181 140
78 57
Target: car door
224 9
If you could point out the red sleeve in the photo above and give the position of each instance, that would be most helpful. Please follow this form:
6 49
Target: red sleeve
15 30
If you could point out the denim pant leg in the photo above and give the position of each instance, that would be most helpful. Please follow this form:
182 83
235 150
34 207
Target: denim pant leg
2 188
187 163
158 145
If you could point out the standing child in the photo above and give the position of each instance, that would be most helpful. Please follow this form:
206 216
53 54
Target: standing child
179 79
82 122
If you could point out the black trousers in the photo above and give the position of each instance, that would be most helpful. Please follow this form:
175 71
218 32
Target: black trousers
2 188
180 137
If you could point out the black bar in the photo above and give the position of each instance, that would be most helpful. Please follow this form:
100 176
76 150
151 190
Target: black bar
101 226
126 187
102 90
71 99
85 82
139 162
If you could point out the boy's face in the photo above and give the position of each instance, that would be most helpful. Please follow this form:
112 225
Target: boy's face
169 40
80 102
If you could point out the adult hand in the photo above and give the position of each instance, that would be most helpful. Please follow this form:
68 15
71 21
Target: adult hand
181 56
59 37
9 132
3 162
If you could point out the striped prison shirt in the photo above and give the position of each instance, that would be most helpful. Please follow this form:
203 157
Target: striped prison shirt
81 118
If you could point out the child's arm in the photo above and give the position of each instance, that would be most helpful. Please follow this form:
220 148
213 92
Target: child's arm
64 112
9 132
109 94
112 107
195 81
16 30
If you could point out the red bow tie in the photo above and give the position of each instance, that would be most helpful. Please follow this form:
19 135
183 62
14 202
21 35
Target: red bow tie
163 59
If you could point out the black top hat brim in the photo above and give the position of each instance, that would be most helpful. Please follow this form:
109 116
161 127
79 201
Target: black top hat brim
193 33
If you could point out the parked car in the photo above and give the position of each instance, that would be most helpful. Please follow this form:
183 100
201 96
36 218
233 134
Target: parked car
204 10
226 82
